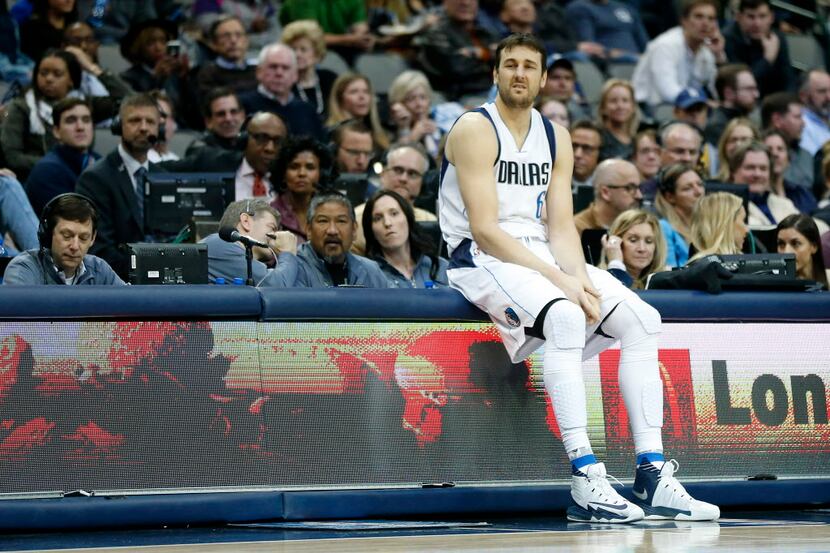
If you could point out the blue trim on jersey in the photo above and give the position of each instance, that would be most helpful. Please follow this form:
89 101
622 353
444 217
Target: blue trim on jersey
444 166
461 258
551 140
486 114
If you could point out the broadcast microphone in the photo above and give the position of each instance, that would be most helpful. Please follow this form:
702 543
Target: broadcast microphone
152 139
230 234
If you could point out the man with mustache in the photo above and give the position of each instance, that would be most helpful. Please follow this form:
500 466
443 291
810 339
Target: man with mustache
815 95
325 260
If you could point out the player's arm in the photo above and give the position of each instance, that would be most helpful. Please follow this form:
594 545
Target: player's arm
472 147
562 235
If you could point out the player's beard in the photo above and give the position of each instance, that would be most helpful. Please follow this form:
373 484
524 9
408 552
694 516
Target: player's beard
513 102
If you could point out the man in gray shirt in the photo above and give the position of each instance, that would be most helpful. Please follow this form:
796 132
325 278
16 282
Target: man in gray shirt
325 260
67 230
272 266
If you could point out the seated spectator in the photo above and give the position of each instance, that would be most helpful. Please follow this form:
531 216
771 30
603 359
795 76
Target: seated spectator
167 121
79 40
783 111
14 64
679 188
619 119
554 111
229 40
634 248
616 188
646 155
410 111
718 225
586 138
354 148
691 106
613 27
325 259
272 266
738 96
314 83
17 218
798 235
815 96
403 172
548 22
667 67
276 74
561 85
679 142
116 183
751 40
69 229
800 196
43 31
27 130
224 117
456 53
395 242
352 99
154 67
300 172
344 23
58 171
738 132
751 164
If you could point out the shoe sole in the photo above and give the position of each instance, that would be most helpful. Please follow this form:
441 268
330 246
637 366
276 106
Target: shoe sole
665 513
576 513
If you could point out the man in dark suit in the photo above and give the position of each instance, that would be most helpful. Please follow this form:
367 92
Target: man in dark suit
116 183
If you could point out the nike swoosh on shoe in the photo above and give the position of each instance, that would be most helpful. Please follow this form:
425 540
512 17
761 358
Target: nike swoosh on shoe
608 506
642 496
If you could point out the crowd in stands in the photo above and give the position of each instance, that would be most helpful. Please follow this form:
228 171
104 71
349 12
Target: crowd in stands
293 97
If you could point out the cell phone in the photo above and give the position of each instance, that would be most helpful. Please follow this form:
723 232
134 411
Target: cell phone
174 48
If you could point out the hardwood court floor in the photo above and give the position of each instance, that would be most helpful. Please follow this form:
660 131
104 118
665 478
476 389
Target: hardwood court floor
804 531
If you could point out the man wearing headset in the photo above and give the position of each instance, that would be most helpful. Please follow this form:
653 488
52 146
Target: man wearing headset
67 230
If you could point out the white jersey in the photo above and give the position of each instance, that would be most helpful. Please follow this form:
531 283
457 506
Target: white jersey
522 178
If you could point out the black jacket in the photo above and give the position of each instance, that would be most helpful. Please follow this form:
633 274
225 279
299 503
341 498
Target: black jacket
771 77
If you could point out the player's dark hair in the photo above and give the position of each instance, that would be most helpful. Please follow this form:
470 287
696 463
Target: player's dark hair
522 39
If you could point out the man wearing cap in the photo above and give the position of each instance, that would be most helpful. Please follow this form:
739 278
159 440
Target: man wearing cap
692 107
738 93
561 85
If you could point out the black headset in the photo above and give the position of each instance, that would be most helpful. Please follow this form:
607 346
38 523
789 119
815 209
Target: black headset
46 227
117 127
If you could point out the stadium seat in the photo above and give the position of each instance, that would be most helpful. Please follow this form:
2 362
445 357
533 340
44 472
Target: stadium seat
334 62
805 52
181 140
590 79
621 70
381 69
105 141
109 56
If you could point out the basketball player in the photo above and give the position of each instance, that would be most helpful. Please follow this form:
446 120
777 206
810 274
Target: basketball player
507 216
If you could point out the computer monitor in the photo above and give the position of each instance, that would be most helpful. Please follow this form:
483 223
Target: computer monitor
168 263
172 200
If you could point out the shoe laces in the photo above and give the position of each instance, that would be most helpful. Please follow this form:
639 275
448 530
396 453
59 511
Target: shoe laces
667 479
601 482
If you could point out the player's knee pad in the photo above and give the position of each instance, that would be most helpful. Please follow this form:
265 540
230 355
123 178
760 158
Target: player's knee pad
565 325
634 312
652 402
568 398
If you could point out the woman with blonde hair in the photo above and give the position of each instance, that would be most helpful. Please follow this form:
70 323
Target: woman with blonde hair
738 131
410 109
618 118
314 84
679 188
634 248
352 98
718 225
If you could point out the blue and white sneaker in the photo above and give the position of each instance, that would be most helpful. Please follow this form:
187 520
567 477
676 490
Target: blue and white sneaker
662 497
596 500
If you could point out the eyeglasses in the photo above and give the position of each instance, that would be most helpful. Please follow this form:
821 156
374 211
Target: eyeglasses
631 188
263 139
357 153
401 171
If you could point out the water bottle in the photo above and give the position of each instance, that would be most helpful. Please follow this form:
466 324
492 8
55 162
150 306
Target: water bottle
238 281
219 281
